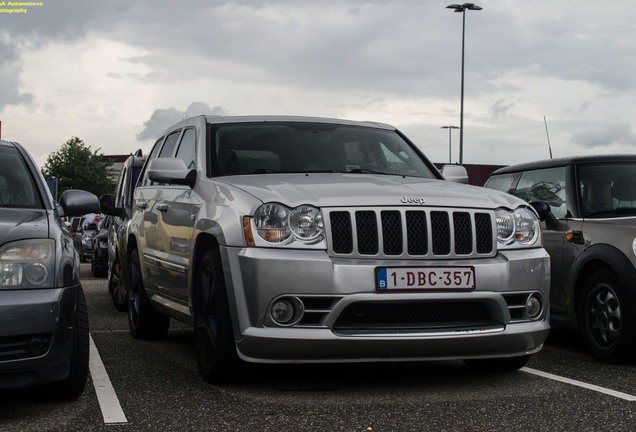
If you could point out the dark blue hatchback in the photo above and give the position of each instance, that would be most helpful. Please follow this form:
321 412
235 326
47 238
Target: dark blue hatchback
44 339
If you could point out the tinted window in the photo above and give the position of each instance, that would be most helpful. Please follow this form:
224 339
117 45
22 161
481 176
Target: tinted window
310 147
187 147
17 186
169 145
547 185
145 181
607 190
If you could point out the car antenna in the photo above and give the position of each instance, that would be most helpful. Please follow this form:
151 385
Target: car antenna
548 135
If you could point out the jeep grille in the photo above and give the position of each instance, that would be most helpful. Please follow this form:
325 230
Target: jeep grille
407 232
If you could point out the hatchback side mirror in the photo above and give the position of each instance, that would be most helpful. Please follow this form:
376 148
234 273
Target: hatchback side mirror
545 214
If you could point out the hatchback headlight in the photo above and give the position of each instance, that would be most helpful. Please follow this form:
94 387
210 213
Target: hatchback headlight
518 227
277 225
27 264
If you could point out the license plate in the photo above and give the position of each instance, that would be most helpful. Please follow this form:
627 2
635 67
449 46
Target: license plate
425 278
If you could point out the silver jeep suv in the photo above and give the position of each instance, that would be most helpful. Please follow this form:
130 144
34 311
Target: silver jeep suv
292 239
589 208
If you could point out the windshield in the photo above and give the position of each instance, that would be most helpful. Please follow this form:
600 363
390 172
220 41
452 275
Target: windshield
312 147
17 188
607 190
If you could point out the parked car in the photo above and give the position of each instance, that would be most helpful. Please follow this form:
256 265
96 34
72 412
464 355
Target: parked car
120 207
74 224
83 239
293 239
44 340
590 233
99 249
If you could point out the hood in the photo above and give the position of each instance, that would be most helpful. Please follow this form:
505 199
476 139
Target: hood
356 190
17 224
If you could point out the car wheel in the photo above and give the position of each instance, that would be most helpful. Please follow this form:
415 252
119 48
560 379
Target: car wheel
116 287
505 364
145 322
72 386
214 339
606 319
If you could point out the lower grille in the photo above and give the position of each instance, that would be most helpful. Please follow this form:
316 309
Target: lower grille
424 315
22 347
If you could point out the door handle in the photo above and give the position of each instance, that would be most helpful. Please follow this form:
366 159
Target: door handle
162 207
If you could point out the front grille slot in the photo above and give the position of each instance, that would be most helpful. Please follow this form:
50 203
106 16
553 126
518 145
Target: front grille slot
400 233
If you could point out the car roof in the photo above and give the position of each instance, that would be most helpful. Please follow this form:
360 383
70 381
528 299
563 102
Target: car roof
571 160
215 119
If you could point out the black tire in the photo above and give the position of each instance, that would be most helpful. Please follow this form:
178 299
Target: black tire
73 386
606 319
116 287
145 322
214 339
505 364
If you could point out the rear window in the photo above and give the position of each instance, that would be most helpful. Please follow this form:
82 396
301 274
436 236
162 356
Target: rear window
17 186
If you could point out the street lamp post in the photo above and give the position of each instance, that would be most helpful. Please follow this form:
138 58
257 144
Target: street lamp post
462 8
450 128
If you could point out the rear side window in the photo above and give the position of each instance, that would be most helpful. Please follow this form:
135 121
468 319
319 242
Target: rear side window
17 185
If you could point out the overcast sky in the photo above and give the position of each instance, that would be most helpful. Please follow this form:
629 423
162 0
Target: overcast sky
116 73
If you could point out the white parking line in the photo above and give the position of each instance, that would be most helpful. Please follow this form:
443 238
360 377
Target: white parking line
108 402
582 384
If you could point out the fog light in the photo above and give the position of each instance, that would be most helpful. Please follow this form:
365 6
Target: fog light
282 311
533 306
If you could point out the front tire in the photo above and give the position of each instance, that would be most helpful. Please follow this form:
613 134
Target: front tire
73 386
606 319
116 287
145 322
214 339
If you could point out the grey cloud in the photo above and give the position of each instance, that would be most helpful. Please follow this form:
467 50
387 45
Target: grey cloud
604 134
164 118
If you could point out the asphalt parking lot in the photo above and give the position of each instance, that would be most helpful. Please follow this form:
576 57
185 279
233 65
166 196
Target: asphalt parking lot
149 386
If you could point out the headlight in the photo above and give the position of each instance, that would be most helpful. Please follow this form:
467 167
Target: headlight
306 223
271 222
277 225
520 227
27 264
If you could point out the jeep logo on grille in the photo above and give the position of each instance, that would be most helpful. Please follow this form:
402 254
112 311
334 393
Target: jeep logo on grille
414 200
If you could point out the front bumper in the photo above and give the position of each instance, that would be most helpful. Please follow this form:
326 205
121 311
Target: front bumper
329 288
36 327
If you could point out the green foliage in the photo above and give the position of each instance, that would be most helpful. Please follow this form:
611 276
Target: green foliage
76 166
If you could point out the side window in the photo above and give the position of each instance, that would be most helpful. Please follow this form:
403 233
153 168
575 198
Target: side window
169 145
186 151
145 181
547 185
119 197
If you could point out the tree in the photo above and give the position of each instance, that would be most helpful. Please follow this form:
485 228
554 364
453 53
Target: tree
76 166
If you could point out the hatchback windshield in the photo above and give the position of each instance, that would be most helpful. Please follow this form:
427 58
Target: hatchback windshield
311 147
17 188
607 190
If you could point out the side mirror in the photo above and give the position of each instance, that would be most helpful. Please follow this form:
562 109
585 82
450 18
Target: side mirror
455 173
107 206
545 214
171 171
75 202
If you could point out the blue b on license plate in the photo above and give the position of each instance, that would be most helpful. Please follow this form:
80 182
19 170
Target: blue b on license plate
424 278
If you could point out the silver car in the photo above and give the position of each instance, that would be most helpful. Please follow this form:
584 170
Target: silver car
292 239
590 233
